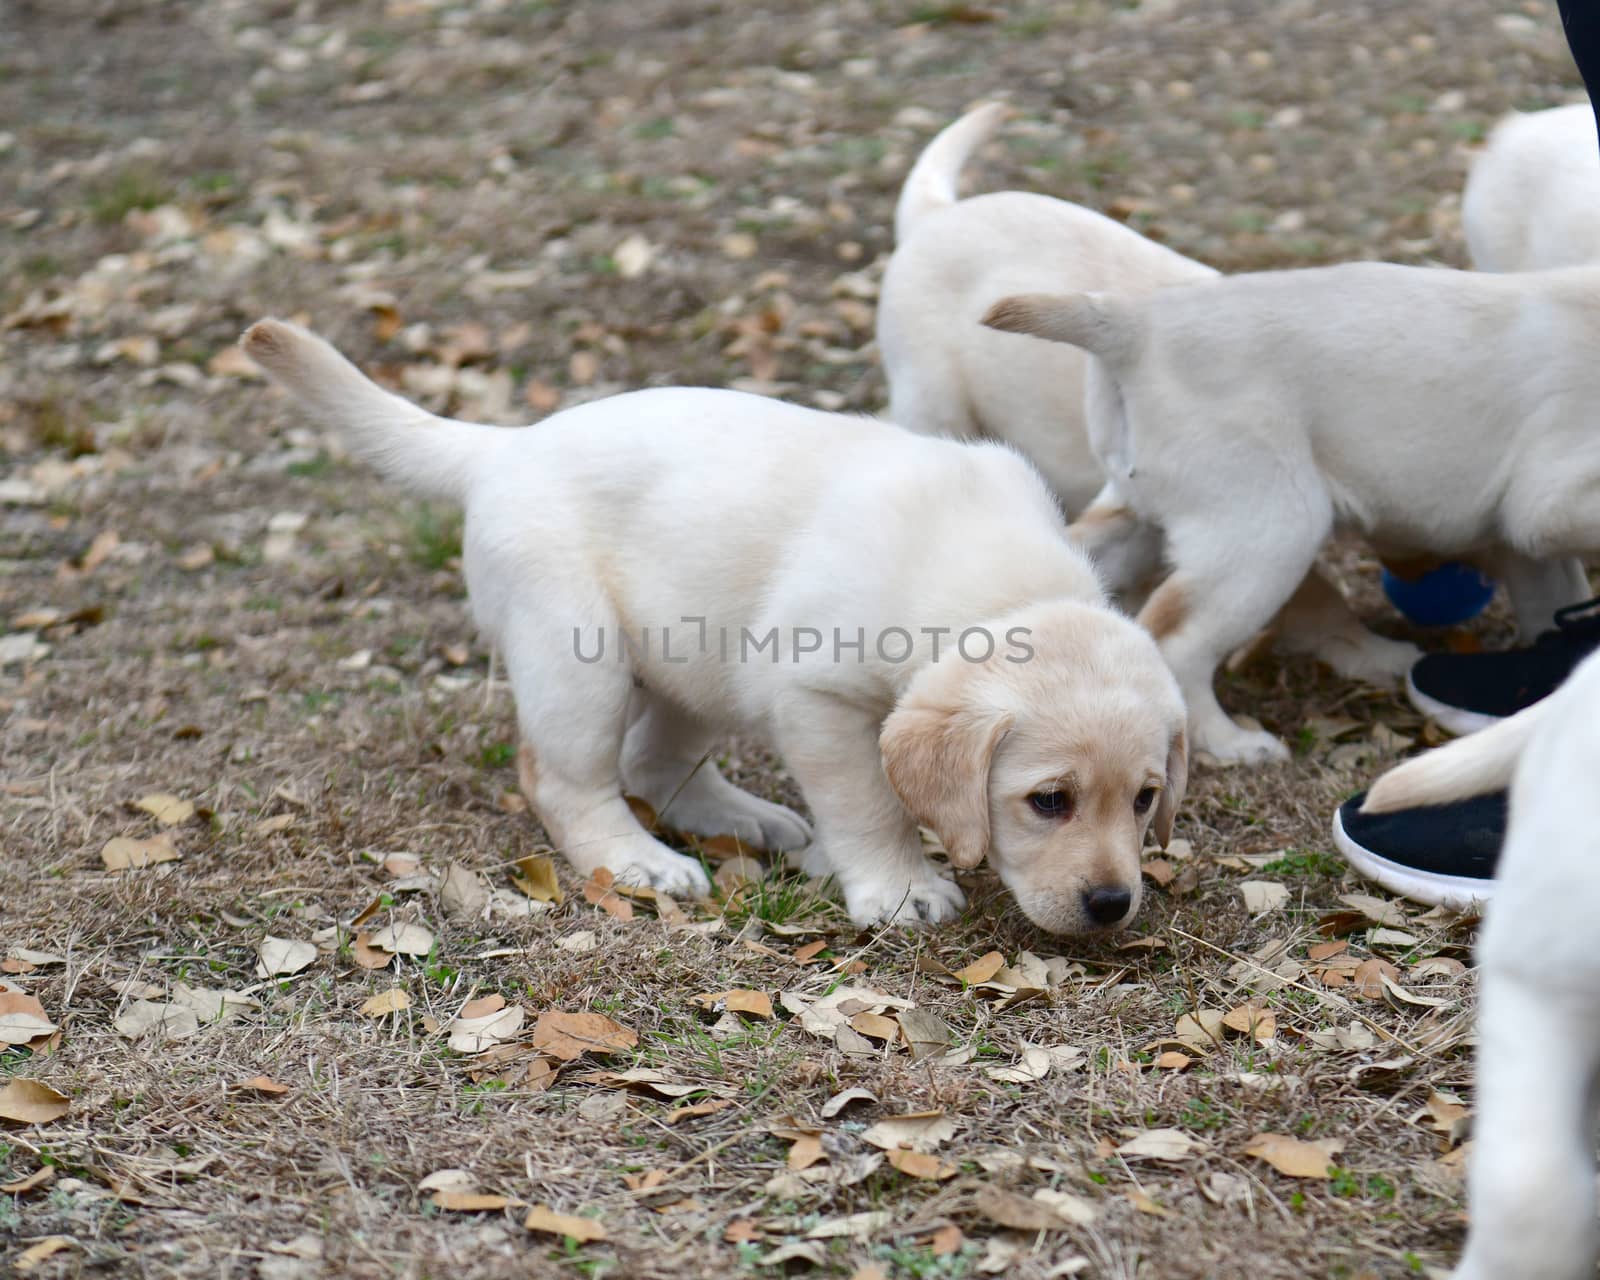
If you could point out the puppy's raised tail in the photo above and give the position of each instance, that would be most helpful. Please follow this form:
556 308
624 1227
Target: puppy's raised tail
1102 325
931 184
1467 767
430 455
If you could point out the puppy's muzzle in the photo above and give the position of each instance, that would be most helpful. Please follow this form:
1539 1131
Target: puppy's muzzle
1106 906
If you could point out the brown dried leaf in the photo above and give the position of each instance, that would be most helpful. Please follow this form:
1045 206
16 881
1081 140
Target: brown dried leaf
1293 1157
570 1035
468 1201
265 1085
384 1003
916 1164
124 854
600 891
535 876
543 1219
982 969
168 810
25 1101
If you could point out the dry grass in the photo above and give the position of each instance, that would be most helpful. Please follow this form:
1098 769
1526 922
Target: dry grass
483 163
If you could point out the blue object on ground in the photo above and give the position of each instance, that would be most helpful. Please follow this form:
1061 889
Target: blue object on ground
1441 597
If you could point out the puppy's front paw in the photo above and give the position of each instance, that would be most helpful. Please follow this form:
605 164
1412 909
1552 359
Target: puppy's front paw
930 899
659 868
1237 745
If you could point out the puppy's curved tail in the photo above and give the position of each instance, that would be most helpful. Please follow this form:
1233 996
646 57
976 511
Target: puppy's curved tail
1101 324
430 455
1467 767
931 184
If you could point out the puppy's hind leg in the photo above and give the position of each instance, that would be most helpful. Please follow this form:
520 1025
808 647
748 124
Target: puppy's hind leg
1209 606
1531 1170
1317 620
572 714
666 760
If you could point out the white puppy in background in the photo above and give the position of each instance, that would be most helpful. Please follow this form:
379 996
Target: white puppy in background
950 376
1532 199
939 651
1435 413
1531 1172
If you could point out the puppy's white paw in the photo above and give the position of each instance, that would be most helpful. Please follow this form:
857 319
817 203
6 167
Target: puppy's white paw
929 899
1238 745
811 861
650 863
1375 659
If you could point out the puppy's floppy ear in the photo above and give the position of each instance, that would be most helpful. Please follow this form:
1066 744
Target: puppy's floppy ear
1172 794
937 760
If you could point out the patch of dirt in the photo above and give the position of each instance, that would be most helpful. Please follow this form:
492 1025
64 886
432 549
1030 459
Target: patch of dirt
504 207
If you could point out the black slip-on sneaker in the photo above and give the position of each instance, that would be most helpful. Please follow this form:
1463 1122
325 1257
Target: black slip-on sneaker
1466 692
1443 855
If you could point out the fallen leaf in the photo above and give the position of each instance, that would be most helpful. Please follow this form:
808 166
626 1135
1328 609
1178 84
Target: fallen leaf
448 1180
169 811
834 1105
124 854
806 1151
579 942
34 1254
278 957
1253 1020
569 1035
404 939
920 1131
946 1240
698 1109
384 1003
543 1219
1378 910
1172 1060
535 876
467 1201
1368 979
925 1034
262 1084
1144 1204
169 1021
982 969
1293 1157
1161 1144
1068 1207
27 1101
474 1034
600 891
809 952
463 894
38 1178
756 1003
875 1026
916 1164
1262 896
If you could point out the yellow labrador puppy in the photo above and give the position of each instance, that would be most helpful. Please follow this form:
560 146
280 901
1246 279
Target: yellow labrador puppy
902 618
948 375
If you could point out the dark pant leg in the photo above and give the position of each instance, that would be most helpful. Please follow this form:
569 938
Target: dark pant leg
1581 21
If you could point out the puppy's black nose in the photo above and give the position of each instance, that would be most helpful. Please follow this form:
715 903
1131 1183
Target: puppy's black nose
1106 906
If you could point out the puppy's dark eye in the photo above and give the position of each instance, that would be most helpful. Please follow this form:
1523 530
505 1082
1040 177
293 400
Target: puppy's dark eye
1051 804
1143 801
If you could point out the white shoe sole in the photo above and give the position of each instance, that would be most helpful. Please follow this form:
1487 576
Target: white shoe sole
1458 720
1458 893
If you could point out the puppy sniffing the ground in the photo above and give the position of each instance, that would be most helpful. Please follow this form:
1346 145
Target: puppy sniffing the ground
902 618
1532 197
950 376
1445 414
1531 1173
